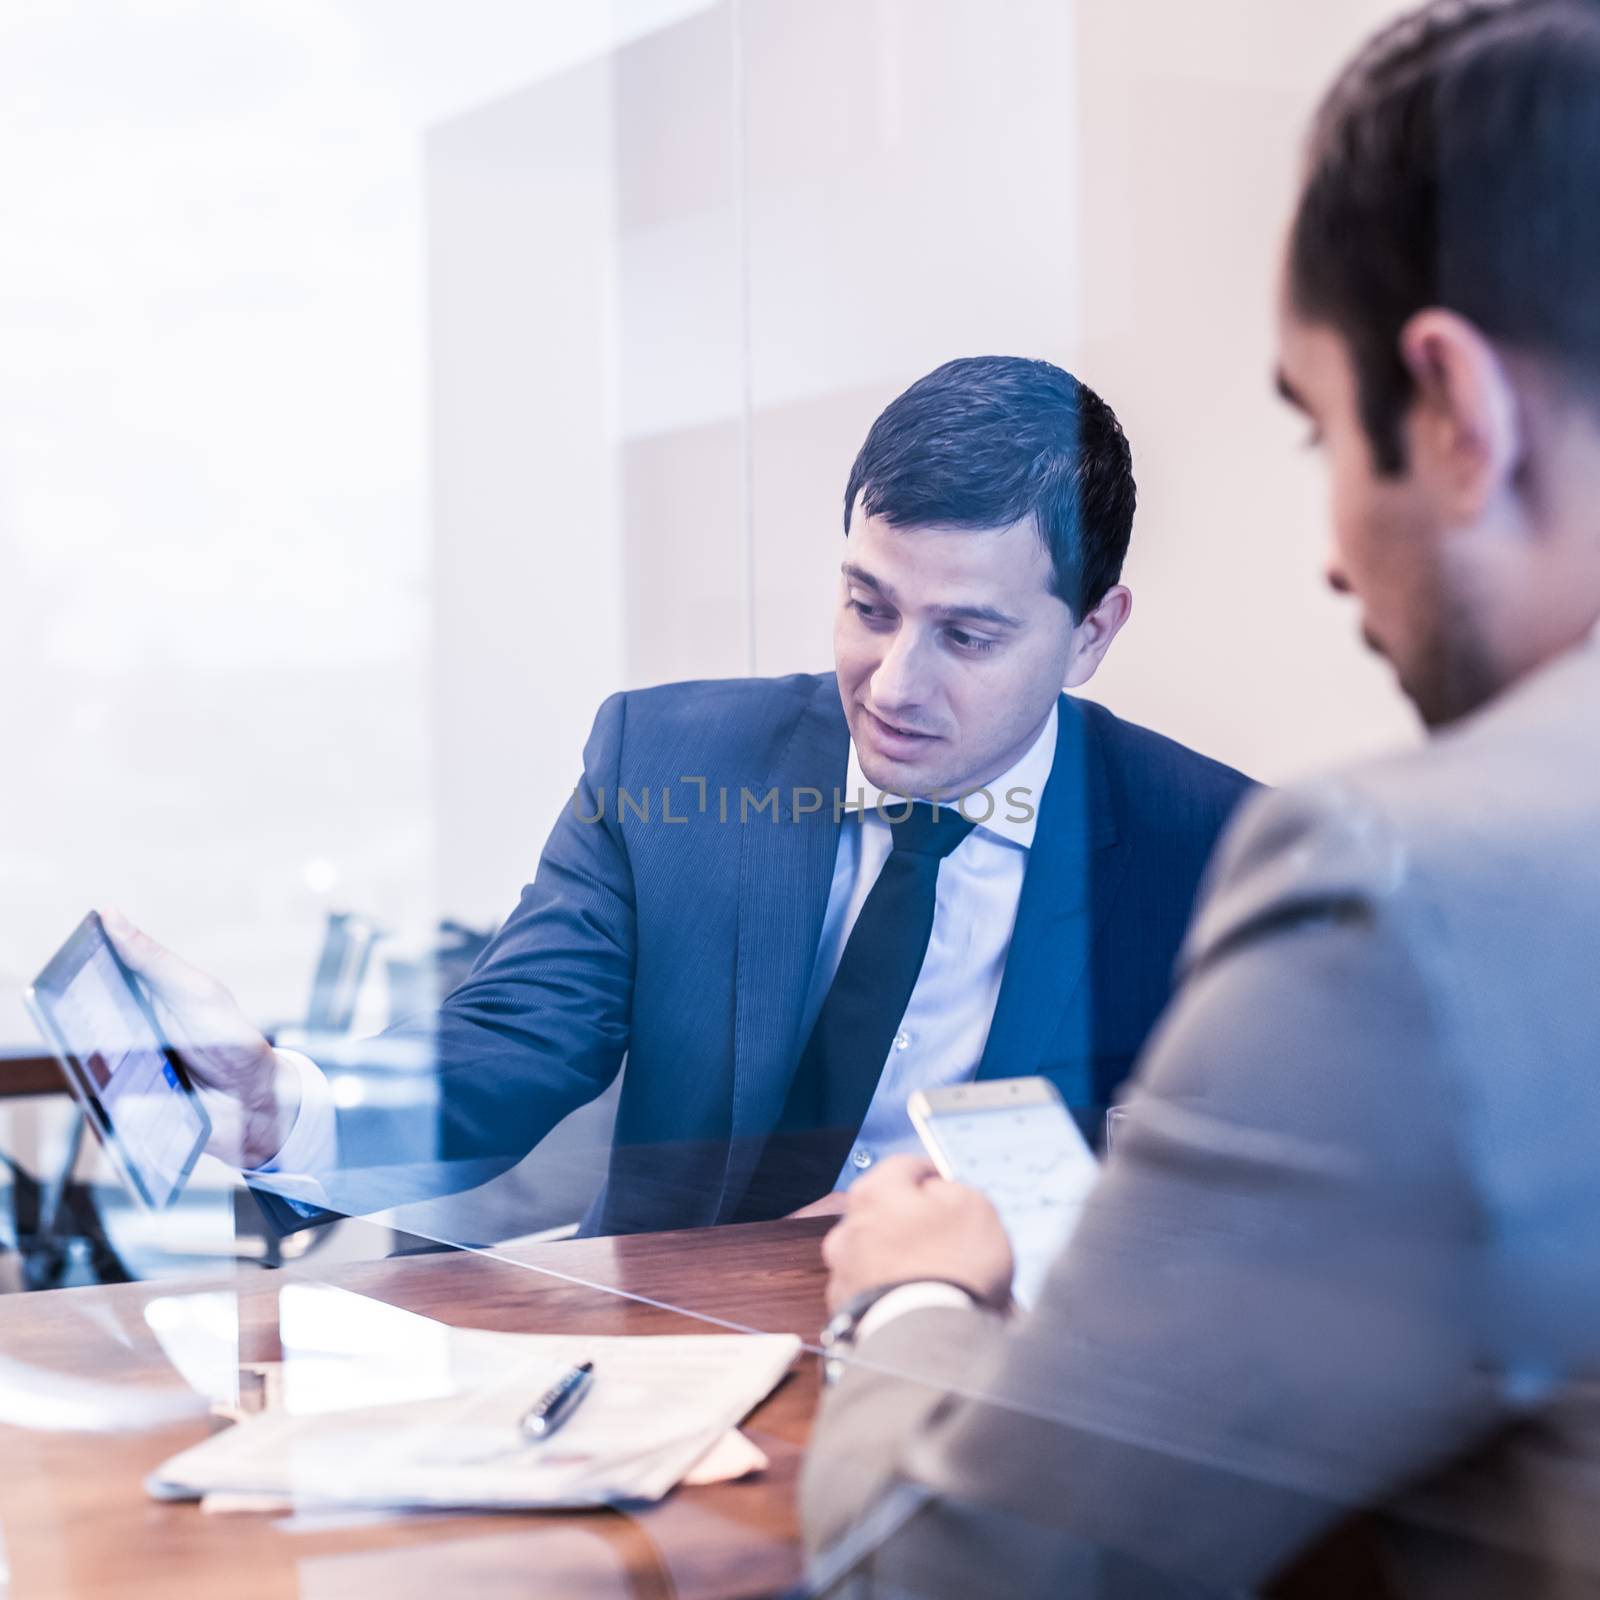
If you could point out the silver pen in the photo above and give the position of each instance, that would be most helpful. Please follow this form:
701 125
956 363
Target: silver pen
557 1403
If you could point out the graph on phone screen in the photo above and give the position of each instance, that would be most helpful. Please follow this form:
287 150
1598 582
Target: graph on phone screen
1036 1169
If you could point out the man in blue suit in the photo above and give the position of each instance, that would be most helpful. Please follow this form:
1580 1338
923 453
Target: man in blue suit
741 902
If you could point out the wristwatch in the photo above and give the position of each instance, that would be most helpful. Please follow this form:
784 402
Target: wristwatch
838 1337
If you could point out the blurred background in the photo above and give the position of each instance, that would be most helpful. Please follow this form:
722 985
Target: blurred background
386 383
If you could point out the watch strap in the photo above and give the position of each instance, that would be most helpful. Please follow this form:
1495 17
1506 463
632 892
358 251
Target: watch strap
839 1333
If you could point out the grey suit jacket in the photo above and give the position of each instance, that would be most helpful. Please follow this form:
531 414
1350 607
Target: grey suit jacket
1346 1258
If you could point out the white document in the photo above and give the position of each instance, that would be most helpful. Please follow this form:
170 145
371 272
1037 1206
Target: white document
654 1408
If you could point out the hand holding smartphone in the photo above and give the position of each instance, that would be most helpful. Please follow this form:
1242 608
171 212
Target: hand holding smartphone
1013 1139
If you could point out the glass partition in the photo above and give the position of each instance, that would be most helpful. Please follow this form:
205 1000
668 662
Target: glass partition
431 443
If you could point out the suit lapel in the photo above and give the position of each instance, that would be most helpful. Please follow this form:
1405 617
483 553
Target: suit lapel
1075 866
785 873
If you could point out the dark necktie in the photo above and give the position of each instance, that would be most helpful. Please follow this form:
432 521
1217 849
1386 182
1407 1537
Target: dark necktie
843 1059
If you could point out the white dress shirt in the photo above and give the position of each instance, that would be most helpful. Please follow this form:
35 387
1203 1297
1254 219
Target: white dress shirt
313 1143
946 1023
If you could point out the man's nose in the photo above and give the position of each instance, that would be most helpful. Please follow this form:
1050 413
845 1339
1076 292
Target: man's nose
1334 574
900 681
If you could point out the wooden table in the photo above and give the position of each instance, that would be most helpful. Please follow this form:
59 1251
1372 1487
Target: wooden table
21 1076
75 1521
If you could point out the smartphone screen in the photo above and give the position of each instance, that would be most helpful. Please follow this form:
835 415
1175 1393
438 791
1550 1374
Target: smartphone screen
1035 1167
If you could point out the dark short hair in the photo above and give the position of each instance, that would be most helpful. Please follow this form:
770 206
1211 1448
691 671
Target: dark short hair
987 440
1456 163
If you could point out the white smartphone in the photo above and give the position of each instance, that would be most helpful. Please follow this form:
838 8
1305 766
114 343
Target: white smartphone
1013 1139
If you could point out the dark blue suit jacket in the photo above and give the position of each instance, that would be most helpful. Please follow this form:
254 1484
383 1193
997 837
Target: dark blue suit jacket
655 929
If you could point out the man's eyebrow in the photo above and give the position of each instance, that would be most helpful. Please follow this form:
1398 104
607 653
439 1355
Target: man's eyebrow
860 575
1287 391
990 614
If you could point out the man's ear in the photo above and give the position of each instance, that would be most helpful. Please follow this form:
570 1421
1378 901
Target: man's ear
1464 434
1092 637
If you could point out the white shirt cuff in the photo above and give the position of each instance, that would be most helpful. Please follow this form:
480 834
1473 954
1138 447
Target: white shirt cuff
311 1151
911 1297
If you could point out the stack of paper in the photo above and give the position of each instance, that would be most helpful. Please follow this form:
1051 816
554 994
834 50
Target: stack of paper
655 1407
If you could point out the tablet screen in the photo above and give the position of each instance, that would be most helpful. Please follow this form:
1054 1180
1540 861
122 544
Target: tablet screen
147 1113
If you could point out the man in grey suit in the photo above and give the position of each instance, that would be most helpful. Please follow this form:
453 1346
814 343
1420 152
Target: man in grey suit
1332 1315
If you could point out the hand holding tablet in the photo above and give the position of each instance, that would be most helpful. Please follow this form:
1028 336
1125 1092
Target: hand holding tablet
251 1096
130 1082
143 1039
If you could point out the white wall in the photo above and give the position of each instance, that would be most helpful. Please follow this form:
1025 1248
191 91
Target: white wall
526 565
1105 186
913 196
805 216
1193 117
813 202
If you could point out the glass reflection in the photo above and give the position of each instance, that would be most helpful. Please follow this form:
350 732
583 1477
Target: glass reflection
199 1335
621 1097
37 1398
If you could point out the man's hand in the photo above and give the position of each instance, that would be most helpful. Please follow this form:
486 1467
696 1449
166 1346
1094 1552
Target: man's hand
830 1205
905 1222
251 1096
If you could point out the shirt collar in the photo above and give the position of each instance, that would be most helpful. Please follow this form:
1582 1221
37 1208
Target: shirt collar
1011 820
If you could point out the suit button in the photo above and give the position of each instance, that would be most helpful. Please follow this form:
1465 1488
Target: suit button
861 1157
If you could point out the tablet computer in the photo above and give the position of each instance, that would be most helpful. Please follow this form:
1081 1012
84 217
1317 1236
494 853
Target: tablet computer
128 1079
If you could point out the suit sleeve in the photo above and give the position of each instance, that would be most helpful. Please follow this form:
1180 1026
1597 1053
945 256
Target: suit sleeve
539 1027
1267 1314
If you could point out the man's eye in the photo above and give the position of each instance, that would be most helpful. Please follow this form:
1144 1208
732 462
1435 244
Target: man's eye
969 643
870 613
